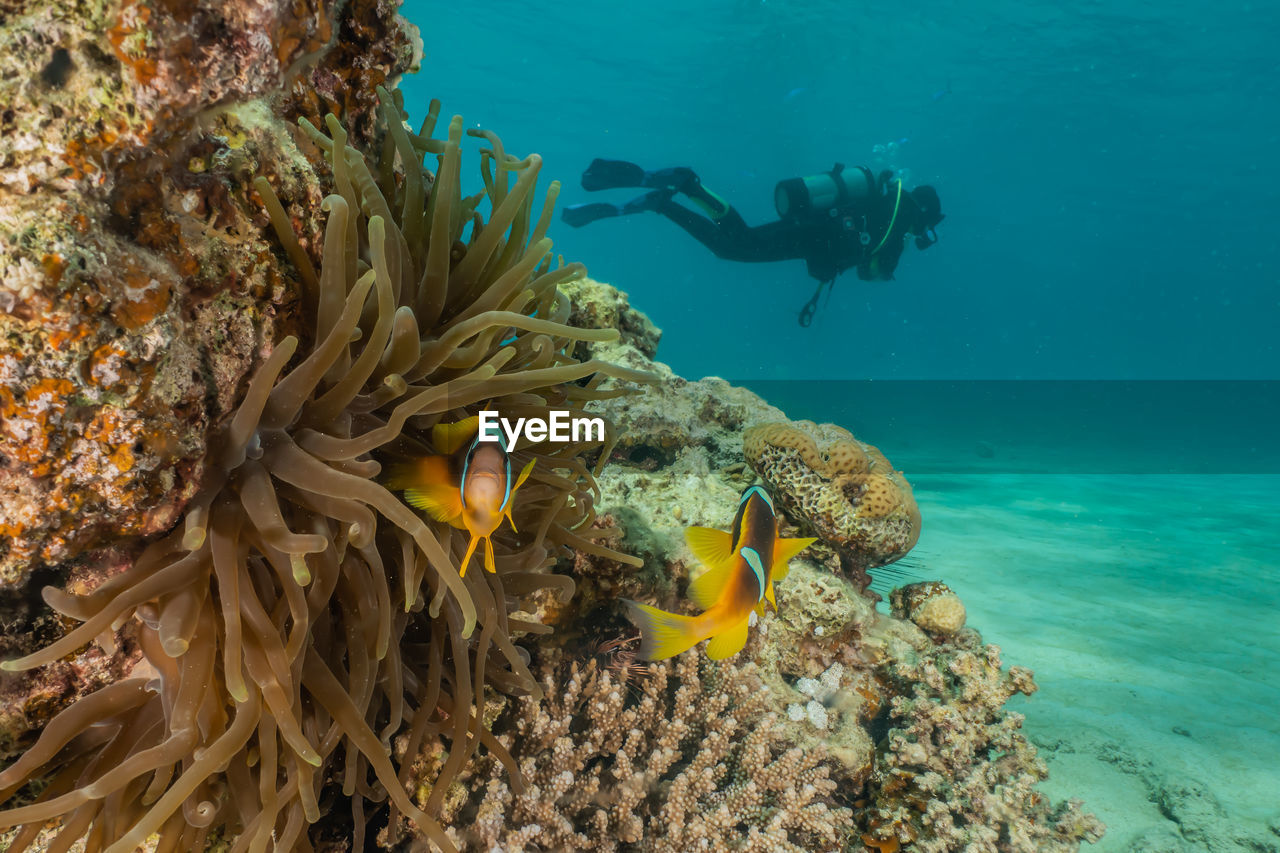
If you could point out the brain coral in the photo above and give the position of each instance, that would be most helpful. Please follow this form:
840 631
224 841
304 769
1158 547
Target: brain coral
845 489
302 618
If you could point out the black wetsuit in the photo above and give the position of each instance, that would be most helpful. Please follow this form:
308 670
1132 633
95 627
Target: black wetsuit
828 244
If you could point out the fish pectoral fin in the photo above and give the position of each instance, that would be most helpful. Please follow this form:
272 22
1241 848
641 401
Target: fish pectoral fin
428 486
524 475
728 643
450 438
443 503
783 551
705 590
710 547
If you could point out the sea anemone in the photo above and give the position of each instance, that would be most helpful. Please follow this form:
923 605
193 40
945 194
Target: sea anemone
301 616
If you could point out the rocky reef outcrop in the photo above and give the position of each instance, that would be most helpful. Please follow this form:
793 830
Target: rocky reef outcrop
137 286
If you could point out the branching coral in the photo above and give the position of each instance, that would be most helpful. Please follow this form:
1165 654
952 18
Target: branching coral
690 760
301 616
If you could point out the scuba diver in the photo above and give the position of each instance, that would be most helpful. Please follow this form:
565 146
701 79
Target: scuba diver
841 219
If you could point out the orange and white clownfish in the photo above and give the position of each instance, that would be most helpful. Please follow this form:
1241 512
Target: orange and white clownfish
470 489
742 565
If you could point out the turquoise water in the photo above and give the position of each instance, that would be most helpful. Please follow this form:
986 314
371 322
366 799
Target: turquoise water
1142 603
1109 176
1108 172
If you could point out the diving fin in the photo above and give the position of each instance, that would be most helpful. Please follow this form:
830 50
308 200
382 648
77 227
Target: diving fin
612 174
578 215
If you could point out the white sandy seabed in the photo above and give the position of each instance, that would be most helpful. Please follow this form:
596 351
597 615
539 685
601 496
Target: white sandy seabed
1149 608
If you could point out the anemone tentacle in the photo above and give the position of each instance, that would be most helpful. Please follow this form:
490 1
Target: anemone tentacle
302 616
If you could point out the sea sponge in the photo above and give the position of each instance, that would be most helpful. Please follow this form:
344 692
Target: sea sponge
931 605
845 489
302 616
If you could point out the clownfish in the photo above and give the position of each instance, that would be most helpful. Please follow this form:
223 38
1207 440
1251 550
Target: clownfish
742 565
470 489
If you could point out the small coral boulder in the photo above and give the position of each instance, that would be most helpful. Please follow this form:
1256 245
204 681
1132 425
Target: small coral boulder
931 605
845 489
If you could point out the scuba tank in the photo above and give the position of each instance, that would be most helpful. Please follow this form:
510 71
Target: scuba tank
849 199
797 197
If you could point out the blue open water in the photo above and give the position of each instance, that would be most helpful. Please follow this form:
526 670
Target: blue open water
1109 174
1108 170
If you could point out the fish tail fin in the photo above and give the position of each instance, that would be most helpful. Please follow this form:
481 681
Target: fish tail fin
405 475
395 476
662 634
730 642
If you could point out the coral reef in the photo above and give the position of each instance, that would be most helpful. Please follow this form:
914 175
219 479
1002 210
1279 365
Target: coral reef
843 487
683 449
911 726
295 662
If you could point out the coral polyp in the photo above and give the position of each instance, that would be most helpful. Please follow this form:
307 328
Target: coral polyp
301 617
